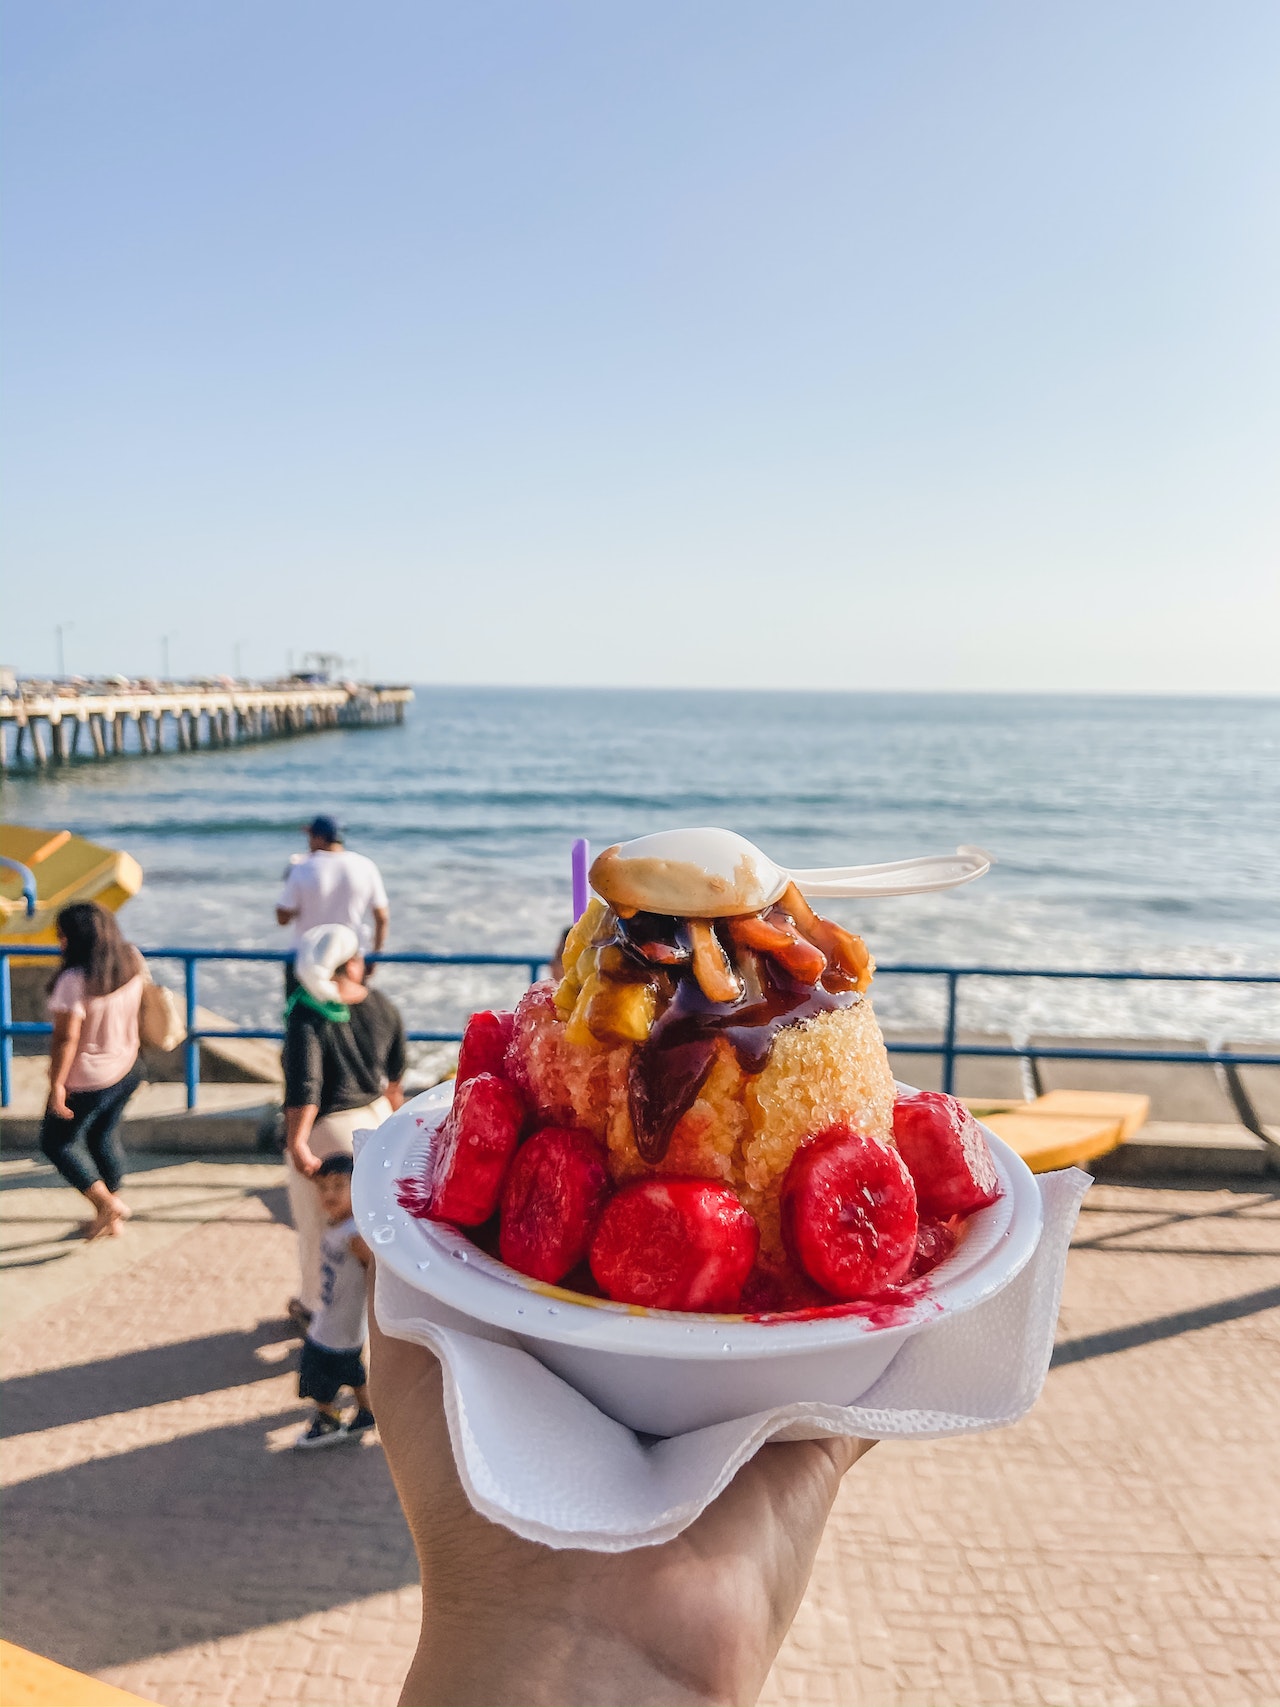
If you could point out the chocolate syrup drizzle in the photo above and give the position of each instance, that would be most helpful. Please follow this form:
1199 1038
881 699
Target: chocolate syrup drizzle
671 1066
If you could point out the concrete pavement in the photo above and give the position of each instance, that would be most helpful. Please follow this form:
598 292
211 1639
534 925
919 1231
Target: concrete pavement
1116 1549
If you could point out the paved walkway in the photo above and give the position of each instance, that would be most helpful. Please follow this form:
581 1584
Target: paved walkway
1117 1548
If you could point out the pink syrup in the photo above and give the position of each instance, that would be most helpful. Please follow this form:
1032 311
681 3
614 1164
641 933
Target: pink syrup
414 1197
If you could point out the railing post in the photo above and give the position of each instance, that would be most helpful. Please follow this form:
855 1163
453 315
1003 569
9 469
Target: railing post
535 967
949 1039
6 1041
192 1044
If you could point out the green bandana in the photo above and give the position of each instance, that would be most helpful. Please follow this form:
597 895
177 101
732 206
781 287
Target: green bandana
338 1012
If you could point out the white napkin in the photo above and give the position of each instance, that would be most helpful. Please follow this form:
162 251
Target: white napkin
511 1421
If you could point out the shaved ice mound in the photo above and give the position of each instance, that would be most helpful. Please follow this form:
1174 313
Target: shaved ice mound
742 1129
568 1084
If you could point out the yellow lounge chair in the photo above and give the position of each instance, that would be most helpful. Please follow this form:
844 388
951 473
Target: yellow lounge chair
1065 1128
66 868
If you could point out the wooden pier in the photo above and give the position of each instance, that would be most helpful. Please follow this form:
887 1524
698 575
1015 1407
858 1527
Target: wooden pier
56 726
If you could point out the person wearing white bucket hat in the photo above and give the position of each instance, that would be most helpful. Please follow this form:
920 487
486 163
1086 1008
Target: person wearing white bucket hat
344 1057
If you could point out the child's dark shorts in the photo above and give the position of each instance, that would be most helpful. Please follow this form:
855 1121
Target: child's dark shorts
323 1373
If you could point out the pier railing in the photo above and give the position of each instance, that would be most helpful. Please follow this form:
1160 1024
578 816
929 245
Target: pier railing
947 1046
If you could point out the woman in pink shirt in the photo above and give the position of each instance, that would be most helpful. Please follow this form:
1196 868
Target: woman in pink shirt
94 1003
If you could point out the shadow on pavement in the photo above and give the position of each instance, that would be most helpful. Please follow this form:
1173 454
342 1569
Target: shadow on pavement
1164 1327
136 1379
193 1540
275 1200
40 1174
43 1251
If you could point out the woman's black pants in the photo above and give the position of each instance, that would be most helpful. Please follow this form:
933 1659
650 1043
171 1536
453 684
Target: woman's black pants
92 1128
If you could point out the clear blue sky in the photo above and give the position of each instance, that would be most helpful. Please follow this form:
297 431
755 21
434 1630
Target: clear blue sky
888 346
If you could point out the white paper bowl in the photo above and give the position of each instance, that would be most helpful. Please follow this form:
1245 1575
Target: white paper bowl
664 1372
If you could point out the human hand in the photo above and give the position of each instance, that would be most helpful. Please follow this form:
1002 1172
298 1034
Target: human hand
303 1157
58 1104
698 1619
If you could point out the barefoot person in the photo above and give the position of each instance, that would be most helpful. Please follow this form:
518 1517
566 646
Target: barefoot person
343 1061
93 1003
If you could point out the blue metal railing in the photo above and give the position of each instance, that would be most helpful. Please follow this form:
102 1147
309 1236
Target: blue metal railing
191 959
951 1051
947 1046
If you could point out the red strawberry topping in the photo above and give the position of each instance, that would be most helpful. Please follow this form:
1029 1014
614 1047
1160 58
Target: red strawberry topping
946 1155
849 1213
675 1244
555 1190
774 1291
484 1044
935 1241
473 1148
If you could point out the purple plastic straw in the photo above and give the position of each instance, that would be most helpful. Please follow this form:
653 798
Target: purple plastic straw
581 858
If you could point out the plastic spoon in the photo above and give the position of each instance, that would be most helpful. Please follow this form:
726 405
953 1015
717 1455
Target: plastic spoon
711 873
898 876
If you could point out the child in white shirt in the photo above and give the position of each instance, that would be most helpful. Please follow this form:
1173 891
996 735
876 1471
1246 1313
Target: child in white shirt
333 1351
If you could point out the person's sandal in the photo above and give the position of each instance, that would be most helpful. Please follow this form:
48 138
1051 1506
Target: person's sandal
360 1424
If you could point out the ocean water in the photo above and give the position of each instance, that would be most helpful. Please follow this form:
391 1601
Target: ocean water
1138 833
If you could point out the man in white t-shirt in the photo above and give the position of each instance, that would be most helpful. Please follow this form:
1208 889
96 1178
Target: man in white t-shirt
333 887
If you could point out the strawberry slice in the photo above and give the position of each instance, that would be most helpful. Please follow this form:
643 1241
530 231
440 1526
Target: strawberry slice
674 1244
945 1153
473 1149
935 1241
849 1213
555 1190
484 1044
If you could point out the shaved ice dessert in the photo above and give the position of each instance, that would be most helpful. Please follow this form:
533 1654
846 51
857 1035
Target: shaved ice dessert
700 1115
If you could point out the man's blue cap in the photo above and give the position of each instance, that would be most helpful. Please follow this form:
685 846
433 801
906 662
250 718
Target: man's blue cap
325 829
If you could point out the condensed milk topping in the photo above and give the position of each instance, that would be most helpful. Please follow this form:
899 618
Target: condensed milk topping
692 874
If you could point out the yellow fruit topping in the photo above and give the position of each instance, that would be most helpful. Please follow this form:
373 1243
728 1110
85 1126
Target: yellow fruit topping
622 1013
578 1030
582 934
579 956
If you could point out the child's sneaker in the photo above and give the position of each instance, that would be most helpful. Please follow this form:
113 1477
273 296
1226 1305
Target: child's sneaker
361 1423
324 1431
